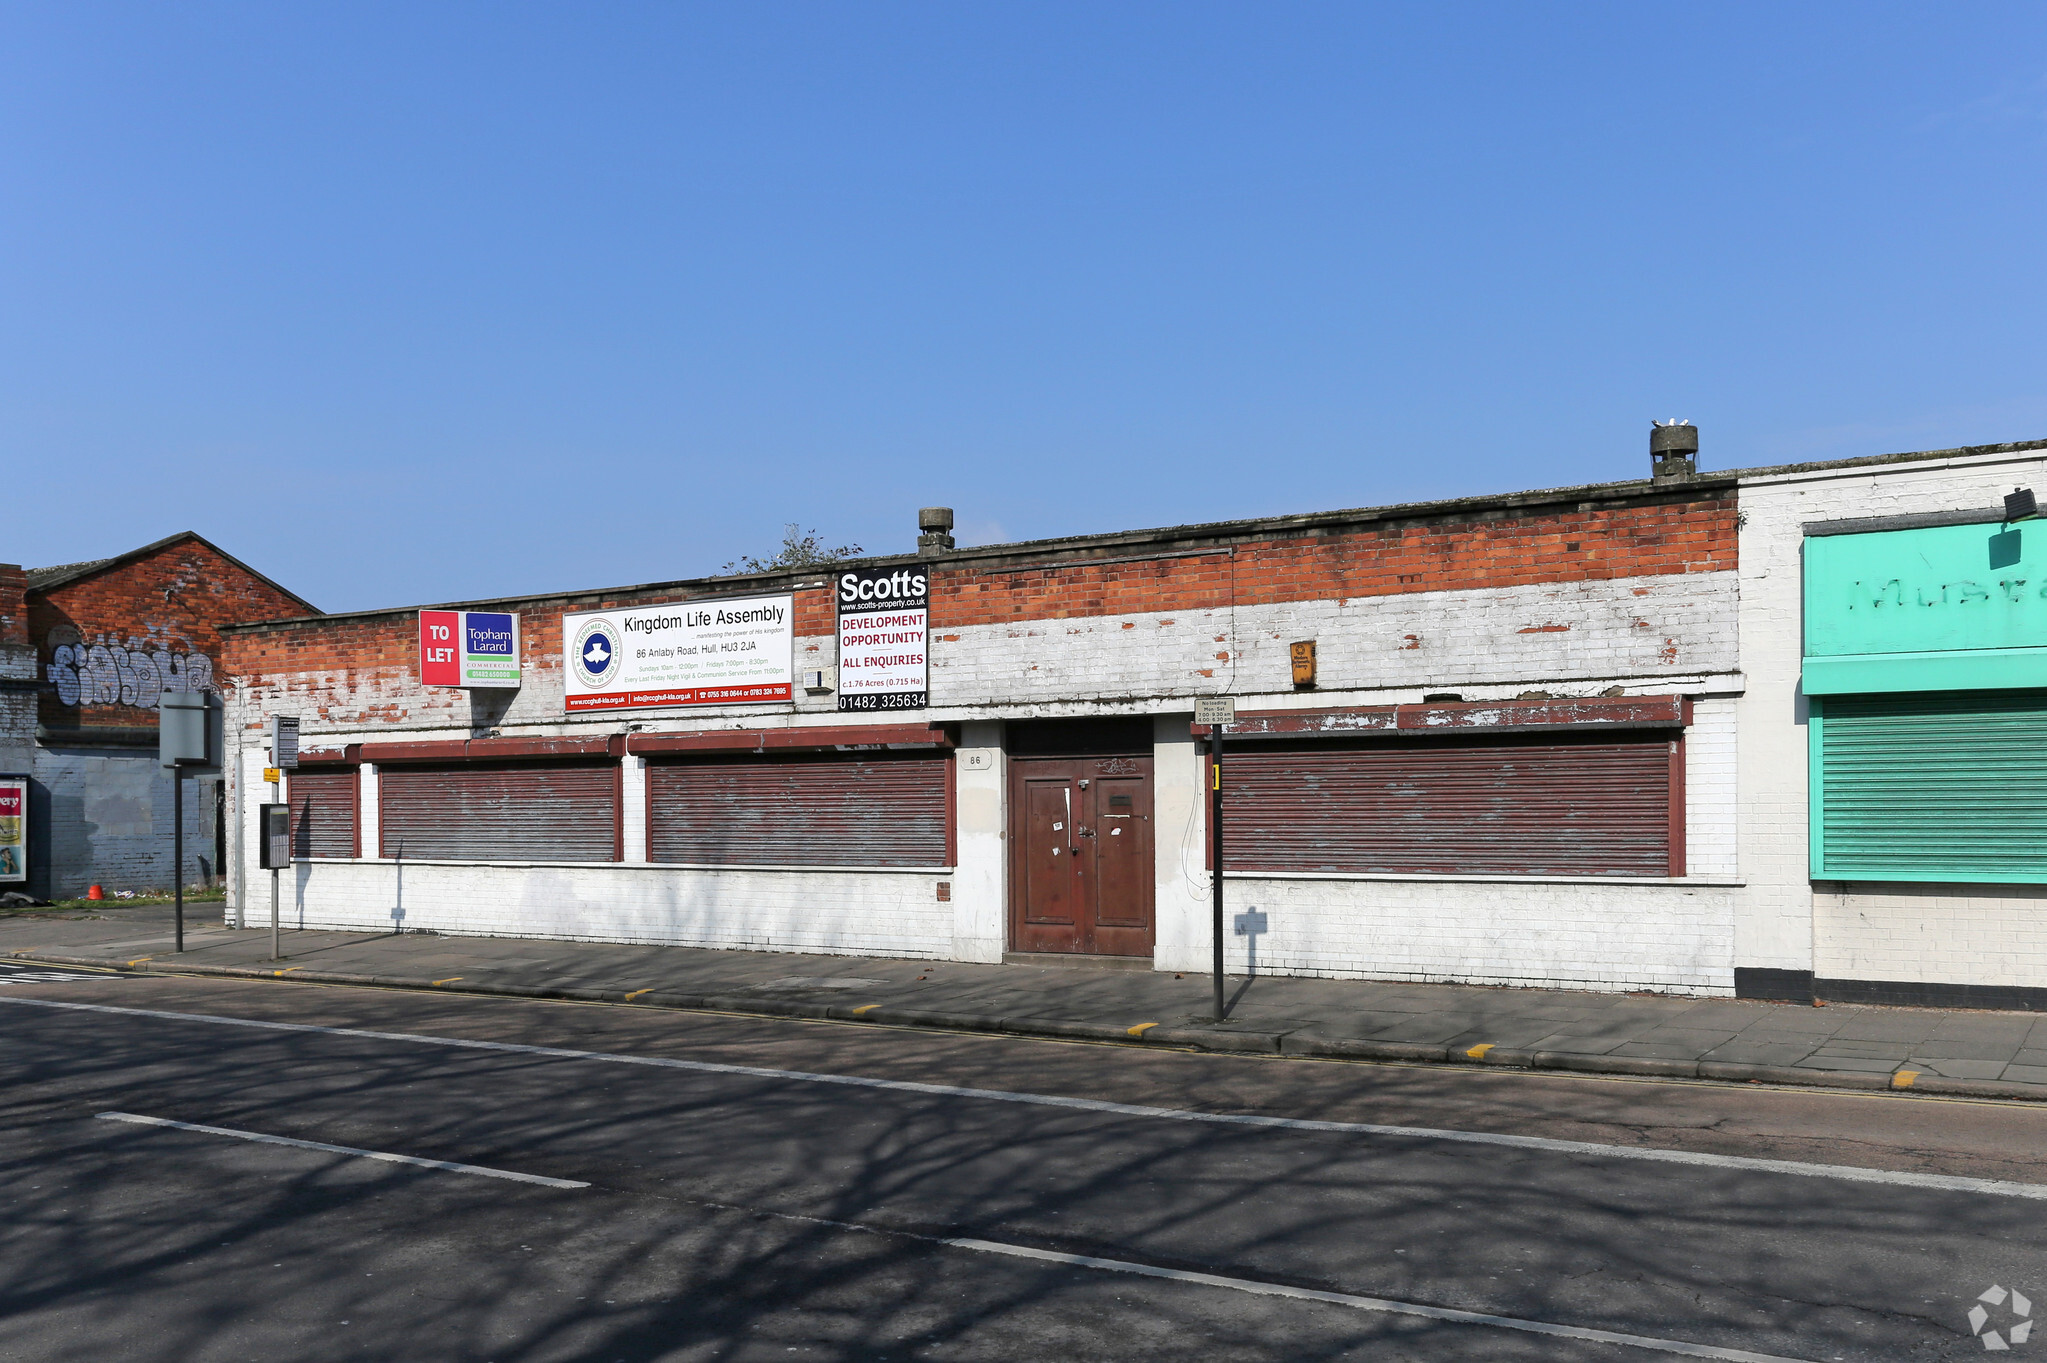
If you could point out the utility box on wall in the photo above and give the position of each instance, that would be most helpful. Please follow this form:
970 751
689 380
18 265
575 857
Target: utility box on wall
1302 655
273 843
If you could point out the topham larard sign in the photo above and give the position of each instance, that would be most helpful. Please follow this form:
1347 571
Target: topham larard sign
474 649
723 651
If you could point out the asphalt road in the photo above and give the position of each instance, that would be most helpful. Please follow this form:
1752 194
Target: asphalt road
715 1187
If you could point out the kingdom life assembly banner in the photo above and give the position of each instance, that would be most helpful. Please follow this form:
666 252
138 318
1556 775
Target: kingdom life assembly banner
884 617
723 651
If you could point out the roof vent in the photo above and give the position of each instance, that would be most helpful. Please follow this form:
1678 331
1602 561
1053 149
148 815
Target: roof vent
1673 450
934 524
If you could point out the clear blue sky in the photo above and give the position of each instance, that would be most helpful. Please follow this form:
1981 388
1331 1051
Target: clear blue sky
422 302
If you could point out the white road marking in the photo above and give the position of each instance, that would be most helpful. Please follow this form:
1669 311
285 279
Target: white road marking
47 976
1950 1183
1398 1308
1259 1287
384 1155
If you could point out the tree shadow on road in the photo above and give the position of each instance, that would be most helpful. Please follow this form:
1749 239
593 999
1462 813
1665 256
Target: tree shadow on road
717 1226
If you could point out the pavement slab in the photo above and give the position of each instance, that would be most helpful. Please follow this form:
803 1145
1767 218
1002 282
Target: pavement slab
1860 1026
1579 1045
2002 1031
1959 1069
1949 1048
1862 1050
1425 1031
1808 1023
1655 1050
1740 1053
1706 1037
1347 1017
1848 1064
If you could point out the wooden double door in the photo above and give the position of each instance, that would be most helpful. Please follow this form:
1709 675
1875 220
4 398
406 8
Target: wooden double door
1081 870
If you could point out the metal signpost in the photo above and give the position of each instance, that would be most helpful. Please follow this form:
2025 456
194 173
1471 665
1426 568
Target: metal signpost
274 854
1216 712
182 740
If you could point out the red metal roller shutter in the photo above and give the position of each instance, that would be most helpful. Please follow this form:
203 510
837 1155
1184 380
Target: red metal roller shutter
322 812
865 811
1550 808
500 811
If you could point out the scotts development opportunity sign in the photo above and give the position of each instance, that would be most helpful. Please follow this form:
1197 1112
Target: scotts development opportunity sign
468 648
725 651
884 615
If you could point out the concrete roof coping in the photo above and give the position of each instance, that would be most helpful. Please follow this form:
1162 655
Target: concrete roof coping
1078 551
39 578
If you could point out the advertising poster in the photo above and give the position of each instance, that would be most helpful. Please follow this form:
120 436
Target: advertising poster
884 614
13 829
724 651
475 649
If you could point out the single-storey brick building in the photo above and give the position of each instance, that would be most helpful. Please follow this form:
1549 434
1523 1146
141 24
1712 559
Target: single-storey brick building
1562 737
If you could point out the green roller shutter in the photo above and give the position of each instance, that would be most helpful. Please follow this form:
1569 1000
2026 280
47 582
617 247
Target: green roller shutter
1943 786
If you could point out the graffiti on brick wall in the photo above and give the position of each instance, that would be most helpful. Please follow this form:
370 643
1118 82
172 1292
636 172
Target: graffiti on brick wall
113 673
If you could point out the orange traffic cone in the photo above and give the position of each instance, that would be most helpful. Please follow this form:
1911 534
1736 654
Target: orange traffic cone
95 893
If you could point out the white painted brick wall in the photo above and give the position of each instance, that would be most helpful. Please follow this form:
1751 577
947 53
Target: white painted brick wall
1779 921
1711 791
633 808
1947 934
1605 936
1679 624
878 913
1647 635
1631 627
1180 905
980 884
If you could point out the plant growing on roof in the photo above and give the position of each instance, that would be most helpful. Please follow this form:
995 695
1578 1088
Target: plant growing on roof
799 550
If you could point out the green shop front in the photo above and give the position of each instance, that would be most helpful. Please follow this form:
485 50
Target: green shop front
1925 670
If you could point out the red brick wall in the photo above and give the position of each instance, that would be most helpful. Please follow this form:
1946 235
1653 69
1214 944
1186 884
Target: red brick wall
374 660
13 605
382 644
128 625
1564 546
1673 535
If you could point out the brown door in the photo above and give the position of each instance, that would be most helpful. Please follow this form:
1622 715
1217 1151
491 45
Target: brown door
1082 875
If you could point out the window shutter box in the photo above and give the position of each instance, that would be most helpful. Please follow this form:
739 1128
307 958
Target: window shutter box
1450 807
500 811
1940 786
877 809
323 806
